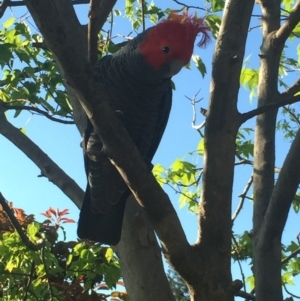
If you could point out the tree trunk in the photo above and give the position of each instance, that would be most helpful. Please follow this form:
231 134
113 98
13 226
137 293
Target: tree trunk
141 259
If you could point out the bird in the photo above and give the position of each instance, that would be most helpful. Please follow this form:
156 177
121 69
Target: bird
137 84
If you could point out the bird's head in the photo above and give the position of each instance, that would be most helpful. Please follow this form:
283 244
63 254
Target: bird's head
170 43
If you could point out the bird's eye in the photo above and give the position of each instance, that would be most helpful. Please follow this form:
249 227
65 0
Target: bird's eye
166 49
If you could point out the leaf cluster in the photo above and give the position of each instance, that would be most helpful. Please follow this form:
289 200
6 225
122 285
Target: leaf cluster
30 75
61 270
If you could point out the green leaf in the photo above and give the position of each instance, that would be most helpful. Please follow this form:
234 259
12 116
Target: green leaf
5 54
173 85
287 278
199 64
200 147
69 260
33 229
287 4
117 12
9 22
36 282
23 130
10 36
214 22
217 5
249 79
109 254
250 280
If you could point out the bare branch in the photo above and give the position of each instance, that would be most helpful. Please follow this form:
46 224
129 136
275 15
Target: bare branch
239 263
243 197
33 109
48 168
194 126
292 255
293 295
188 6
269 107
17 226
288 26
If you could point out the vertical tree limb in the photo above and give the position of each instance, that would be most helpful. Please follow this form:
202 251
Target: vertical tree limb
268 279
214 239
283 194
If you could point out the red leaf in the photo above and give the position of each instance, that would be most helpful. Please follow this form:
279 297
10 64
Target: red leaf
67 220
63 212
52 211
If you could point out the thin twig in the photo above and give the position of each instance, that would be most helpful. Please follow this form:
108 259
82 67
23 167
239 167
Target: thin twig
292 255
194 126
17 226
47 273
243 197
33 109
189 6
288 292
239 261
297 120
143 14
30 278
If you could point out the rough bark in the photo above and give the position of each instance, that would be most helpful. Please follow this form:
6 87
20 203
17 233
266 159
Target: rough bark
48 168
268 208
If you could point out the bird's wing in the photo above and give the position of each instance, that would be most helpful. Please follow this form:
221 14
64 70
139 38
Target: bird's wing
161 122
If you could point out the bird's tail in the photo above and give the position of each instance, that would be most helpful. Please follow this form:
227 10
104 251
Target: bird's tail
104 228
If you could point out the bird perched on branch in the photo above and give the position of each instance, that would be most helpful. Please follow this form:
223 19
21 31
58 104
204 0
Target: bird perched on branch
137 84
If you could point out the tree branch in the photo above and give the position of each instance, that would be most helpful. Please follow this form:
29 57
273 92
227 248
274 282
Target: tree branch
269 107
99 10
61 38
214 239
33 109
288 26
243 197
292 255
93 32
292 90
48 168
283 194
8 3
245 295
17 226
188 6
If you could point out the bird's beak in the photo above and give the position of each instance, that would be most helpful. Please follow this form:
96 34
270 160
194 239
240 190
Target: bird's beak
175 67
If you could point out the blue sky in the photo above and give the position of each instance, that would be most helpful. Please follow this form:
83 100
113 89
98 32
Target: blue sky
19 181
